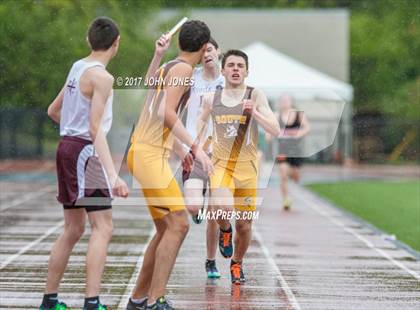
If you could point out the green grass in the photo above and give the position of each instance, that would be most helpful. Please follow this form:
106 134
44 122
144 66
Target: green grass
393 207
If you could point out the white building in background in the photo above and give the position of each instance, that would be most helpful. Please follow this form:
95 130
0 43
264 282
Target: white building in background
318 38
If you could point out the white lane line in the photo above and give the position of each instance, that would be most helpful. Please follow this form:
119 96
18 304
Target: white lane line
290 296
220 304
135 201
127 293
30 245
26 198
26 283
355 234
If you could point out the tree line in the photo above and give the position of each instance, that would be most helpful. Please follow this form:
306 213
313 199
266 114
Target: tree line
40 39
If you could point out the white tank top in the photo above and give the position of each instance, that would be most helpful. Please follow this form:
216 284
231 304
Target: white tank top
194 105
75 110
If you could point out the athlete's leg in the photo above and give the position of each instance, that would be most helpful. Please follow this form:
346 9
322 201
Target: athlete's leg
284 179
145 276
212 236
222 199
193 192
176 229
284 176
295 173
74 226
222 202
243 229
245 204
101 226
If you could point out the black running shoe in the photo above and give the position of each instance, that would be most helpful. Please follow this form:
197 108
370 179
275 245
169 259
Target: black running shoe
58 306
160 304
211 269
134 306
99 307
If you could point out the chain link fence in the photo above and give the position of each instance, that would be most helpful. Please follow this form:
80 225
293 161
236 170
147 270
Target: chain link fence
28 133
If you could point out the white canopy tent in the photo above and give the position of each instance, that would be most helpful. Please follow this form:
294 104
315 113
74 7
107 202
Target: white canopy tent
276 73
325 101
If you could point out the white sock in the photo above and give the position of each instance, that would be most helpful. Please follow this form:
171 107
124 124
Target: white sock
138 301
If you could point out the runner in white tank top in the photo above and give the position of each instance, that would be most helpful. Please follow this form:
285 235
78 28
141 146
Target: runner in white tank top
201 86
75 111
85 170
206 80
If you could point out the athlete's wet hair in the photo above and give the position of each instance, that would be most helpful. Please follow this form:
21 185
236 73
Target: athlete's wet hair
193 35
102 33
213 42
234 53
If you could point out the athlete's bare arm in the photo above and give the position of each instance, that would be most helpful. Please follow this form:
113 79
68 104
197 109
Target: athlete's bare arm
100 83
173 93
161 46
182 152
262 112
179 149
304 127
168 110
54 109
203 119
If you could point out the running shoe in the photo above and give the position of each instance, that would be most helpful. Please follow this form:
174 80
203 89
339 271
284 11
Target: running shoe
161 304
211 269
236 273
134 306
242 278
286 204
58 306
196 218
99 307
225 243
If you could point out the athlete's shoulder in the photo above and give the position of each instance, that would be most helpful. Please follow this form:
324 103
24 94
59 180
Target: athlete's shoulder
181 69
99 79
256 92
198 71
221 80
100 75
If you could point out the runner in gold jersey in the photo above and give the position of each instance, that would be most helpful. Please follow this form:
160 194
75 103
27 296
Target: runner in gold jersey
236 111
159 127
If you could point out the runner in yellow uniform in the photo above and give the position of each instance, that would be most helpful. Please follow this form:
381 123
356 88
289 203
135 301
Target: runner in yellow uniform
236 111
158 128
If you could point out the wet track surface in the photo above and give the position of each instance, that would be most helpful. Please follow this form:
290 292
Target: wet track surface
312 257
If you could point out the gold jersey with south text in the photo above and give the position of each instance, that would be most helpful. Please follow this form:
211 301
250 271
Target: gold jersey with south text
233 140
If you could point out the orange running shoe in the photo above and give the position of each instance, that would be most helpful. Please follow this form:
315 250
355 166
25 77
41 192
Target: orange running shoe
236 273
225 242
